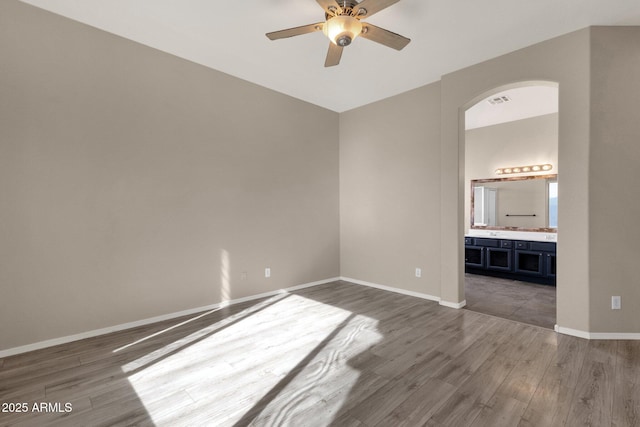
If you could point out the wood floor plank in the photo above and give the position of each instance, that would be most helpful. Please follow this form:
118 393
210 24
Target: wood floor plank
527 373
475 393
626 409
380 404
465 332
336 354
335 404
32 393
422 350
500 411
17 375
552 399
420 405
347 421
308 400
593 399
459 369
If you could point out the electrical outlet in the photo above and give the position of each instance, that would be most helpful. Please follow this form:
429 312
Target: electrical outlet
243 275
267 272
418 272
616 303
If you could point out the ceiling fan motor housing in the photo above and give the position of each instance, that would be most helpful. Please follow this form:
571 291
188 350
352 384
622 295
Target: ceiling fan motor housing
347 7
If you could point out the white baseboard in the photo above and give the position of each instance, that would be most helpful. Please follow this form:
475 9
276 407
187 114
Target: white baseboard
615 336
391 289
129 325
597 335
572 332
456 305
116 328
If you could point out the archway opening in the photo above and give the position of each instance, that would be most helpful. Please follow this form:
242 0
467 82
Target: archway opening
510 209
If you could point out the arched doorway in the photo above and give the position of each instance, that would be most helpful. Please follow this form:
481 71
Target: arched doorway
511 166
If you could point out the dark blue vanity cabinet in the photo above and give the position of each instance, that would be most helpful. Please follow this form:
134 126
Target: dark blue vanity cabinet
499 259
524 260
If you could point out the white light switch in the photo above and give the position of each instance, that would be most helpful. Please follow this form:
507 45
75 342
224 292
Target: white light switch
267 272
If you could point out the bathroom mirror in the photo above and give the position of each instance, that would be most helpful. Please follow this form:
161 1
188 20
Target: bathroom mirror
522 203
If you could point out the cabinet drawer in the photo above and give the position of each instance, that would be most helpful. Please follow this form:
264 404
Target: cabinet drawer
468 240
506 243
492 243
543 246
522 245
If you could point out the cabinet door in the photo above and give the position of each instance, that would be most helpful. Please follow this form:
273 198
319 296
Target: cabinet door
529 262
551 265
474 256
499 259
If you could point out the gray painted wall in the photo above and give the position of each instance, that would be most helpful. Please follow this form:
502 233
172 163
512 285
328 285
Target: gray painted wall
390 191
614 174
135 184
523 142
597 71
564 60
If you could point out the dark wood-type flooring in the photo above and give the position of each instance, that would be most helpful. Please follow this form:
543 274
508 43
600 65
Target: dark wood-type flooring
333 355
511 299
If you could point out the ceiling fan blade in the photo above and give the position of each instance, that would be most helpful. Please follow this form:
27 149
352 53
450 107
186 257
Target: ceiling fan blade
296 31
382 36
330 6
333 55
371 7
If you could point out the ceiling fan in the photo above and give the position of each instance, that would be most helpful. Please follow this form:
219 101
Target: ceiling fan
343 24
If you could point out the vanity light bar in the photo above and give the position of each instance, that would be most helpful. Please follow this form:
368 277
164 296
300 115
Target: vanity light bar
524 169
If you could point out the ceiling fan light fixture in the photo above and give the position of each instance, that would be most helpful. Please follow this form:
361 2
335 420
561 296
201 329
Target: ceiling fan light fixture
342 25
342 29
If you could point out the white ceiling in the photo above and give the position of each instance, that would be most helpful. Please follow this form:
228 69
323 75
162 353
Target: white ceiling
447 35
524 102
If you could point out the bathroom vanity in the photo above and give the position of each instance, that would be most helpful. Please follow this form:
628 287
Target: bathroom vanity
529 261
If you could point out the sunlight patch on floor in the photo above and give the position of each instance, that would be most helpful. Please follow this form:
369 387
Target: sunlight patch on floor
196 336
260 365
